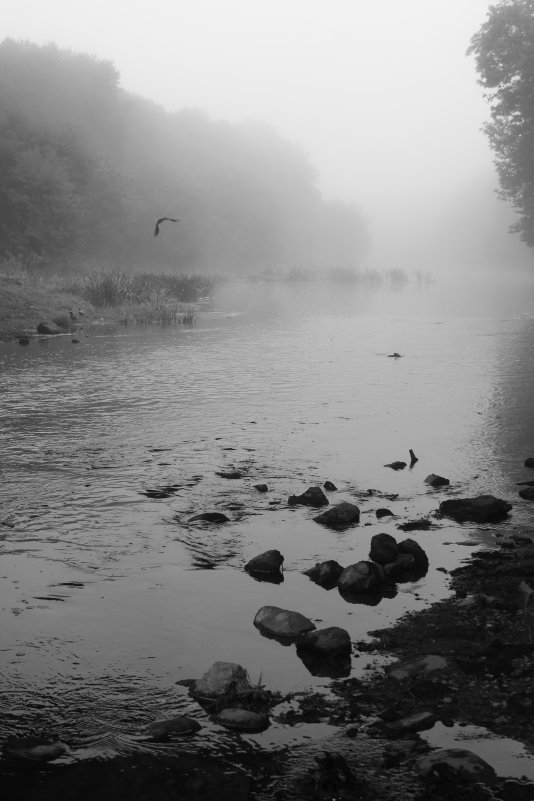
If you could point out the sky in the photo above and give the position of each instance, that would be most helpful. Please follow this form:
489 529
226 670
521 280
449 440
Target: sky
379 95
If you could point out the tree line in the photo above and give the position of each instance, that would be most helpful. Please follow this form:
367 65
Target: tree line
87 168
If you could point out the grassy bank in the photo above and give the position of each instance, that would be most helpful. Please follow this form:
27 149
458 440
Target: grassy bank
66 302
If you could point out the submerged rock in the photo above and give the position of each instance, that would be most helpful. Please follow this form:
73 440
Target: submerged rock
269 562
362 577
36 749
230 474
222 678
161 730
314 496
384 549
282 623
261 487
402 564
242 720
339 516
210 517
459 762
330 486
482 509
326 573
527 493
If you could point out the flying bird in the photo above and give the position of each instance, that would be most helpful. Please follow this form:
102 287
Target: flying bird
162 219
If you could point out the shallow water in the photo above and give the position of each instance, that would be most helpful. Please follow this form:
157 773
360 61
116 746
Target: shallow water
108 597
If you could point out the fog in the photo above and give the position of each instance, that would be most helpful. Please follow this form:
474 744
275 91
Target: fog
380 97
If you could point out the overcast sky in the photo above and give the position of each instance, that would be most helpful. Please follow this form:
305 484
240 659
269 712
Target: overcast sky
379 95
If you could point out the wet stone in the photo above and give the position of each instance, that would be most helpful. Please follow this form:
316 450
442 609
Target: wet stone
35 749
267 562
313 496
380 513
529 462
417 667
362 577
221 678
420 721
464 764
384 549
332 641
242 720
482 509
436 481
282 623
326 573
330 486
161 730
527 493
210 517
339 516
261 487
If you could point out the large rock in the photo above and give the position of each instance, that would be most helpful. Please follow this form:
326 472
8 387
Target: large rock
314 496
403 564
326 573
339 516
527 493
282 623
458 762
384 549
414 549
482 509
362 577
329 642
242 720
222 678
269 562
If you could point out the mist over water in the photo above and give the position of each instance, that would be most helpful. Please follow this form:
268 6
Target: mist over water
108 597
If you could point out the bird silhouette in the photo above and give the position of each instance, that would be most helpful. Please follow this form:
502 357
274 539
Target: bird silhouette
162 219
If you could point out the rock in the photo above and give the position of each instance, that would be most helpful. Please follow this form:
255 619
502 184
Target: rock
464 765
330 486
267 562
222 678
329 642
210 517
282 623
314 496
417 667
261 487
436 481
242 720
482 509
421 524
420 721
326 573
412 547
529 462
527 493
231 474
337 666
396 465
402 564
384 549
36 749
361 577
383 513
339 516
46 328
161 730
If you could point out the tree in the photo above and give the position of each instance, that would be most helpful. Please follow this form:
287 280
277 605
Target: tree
504 55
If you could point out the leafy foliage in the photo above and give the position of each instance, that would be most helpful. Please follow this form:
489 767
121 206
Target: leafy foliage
87 168
504 53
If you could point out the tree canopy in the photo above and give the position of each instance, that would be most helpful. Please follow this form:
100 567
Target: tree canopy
87 168
504 53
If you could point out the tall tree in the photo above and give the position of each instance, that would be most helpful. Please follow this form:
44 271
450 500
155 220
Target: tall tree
504 54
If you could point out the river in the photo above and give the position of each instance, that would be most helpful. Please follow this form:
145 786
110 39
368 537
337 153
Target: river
109 597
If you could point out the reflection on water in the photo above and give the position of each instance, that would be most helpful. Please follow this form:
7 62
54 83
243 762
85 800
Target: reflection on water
109 593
